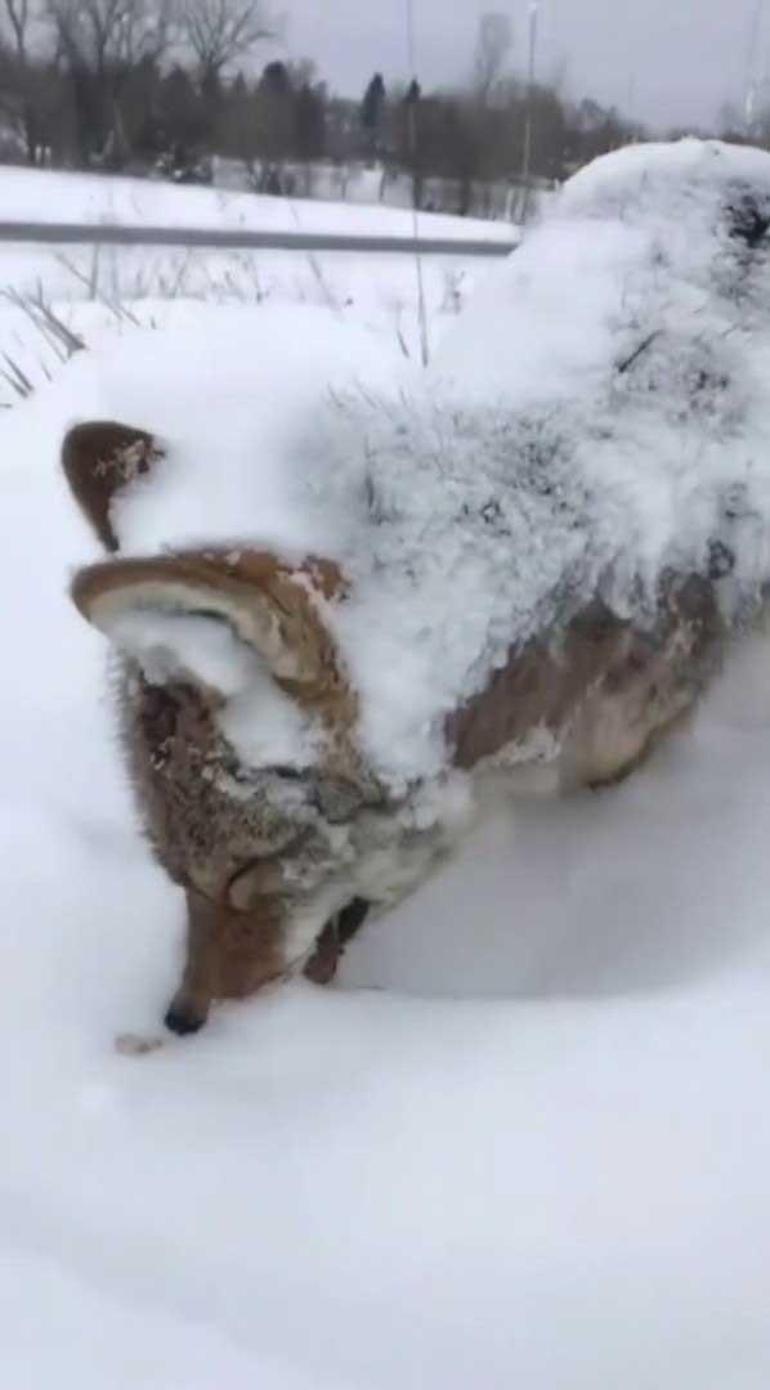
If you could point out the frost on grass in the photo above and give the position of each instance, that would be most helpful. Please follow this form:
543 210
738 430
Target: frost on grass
597 416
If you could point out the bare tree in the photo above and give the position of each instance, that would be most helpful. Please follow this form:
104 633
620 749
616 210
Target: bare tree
100 34
220 31
25 88
17 20
100 44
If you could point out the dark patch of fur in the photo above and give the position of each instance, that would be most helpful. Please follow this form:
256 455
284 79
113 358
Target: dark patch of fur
99 459
747 221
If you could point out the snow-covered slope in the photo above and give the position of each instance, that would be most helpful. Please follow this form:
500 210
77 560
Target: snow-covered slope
524 1143
33 195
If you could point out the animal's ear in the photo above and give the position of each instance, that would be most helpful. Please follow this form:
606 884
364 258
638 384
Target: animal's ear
264 608
99 459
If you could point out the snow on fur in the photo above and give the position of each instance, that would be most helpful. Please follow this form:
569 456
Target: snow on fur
598 415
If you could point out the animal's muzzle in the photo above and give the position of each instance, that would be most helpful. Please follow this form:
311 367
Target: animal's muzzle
184 1021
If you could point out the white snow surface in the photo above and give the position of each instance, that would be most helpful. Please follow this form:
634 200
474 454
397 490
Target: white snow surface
42 195
525 1142
597 415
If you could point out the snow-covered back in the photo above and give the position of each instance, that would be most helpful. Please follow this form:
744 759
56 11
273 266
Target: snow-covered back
597 414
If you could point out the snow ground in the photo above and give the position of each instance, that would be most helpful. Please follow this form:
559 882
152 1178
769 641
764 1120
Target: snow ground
94 287
98 294
525 1139
35 195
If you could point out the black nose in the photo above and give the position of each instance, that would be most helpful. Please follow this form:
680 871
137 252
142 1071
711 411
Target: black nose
183 1022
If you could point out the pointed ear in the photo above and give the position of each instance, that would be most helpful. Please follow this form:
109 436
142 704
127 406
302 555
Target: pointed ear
99 459
270 608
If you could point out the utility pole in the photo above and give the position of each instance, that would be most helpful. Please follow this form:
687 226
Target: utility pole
413 98
632 107
753 48
526 163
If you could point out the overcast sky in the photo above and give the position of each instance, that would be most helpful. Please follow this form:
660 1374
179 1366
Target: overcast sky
670 61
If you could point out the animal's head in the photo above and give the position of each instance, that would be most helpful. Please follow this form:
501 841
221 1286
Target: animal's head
240 726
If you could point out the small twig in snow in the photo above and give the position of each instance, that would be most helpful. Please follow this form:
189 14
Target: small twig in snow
628 362
16 377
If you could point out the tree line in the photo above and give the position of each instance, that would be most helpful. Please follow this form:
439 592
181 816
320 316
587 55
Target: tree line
134 84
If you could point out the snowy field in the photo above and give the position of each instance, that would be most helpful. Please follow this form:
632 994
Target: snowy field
91 288
31 195
524 1140
113 290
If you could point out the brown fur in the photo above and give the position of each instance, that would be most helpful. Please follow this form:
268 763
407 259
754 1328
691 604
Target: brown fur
600 675
236 904
330 946
181 767
259 852
230 954
261 590
99 459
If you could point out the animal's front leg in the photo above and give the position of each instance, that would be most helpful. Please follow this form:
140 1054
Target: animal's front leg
330 947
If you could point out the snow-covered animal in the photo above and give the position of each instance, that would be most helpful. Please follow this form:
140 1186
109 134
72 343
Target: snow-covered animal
543 546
